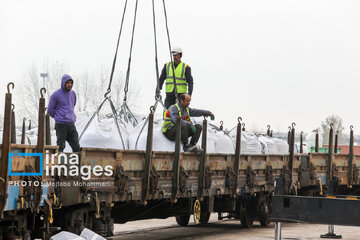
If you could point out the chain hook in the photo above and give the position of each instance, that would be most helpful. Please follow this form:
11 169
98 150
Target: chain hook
268 127
331 125
12 107
107 93
239 119
289 128
42 91
152 109
8 86
351 127
293 125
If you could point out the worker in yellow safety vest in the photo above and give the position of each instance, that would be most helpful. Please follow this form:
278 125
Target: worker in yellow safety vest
188 128
184 80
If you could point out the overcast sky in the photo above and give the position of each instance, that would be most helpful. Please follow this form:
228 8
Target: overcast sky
270 62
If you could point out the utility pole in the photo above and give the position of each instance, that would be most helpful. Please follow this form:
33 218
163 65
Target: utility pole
44 75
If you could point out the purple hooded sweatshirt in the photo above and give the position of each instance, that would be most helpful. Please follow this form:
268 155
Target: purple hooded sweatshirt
62 103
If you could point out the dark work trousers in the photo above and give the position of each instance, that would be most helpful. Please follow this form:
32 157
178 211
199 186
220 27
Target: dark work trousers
185 133
67 133
170 99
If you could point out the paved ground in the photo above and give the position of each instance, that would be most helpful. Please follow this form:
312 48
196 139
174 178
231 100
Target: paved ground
223 230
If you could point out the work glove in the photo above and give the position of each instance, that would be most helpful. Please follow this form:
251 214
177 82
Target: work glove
212 116
193 129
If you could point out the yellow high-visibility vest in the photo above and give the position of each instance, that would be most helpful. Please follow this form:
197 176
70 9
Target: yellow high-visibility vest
181 83
168 121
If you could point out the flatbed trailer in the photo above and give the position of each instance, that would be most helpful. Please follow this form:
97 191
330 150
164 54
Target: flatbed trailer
149 184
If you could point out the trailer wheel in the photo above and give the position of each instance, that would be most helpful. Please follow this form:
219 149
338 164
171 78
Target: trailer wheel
27 236
110 223
264 216
247 215
183 220
204 217
197 211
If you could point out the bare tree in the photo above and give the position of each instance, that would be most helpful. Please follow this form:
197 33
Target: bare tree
89 88
337 125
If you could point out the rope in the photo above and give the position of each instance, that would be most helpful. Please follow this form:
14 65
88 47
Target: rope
146 121
172 62
126 88
92 118
156 55
116 121
117 47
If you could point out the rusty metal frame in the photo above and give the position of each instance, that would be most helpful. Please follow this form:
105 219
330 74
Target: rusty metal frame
148 157
201 184
176 163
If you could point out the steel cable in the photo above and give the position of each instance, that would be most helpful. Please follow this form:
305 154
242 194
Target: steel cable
171 59
126 88
116 51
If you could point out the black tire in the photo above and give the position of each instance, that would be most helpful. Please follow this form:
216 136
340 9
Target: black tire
183 220
247 216
99 226
265 215
204 217
110 223
27 236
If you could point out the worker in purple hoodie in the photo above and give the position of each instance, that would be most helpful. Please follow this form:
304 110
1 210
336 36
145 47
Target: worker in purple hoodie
61 108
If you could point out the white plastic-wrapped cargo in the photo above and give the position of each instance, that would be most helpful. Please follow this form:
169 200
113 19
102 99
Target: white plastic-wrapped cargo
268 145
160 142
101 133
249 142
253 145
223 143
282 147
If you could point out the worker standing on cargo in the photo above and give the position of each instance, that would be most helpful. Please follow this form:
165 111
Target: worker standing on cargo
188 129
61 108
184 80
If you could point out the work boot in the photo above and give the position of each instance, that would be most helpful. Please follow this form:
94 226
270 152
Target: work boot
187 146
194 148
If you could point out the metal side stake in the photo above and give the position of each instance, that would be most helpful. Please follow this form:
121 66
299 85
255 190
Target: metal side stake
331 233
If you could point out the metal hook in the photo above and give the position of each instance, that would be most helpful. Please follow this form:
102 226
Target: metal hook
337 132
351 127
152 109
29 121
293 125
41 92
221 123
243 125
8 86
289 128
331 125
12 107
268 127
239 119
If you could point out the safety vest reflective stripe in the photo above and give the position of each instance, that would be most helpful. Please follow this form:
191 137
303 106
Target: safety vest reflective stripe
181 84
168 121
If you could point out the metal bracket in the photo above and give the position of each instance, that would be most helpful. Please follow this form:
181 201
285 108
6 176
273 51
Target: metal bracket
154 180
230 178
182 179
269 178
208 179
356 175
250 177
120 179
